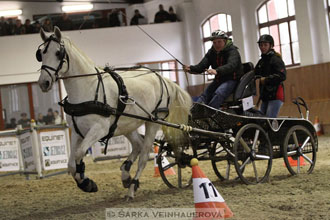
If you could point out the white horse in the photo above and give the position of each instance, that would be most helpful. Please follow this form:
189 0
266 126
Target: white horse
62 59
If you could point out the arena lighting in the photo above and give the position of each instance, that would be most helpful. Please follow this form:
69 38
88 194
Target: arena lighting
11 13
76 8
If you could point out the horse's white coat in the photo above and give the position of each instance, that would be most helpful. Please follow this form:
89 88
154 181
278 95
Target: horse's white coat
144 86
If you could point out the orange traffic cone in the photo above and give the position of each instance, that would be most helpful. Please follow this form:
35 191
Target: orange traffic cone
294 162
317 126
165 162
209 204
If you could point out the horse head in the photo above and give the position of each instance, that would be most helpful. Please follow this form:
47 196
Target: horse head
52 54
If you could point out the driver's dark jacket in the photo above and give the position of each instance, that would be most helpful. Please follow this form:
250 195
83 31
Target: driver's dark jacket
272 67
227 63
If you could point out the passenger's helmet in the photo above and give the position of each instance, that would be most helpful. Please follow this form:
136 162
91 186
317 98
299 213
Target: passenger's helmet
267 39
219 35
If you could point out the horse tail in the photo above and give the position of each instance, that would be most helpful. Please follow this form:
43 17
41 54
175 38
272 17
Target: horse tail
179 111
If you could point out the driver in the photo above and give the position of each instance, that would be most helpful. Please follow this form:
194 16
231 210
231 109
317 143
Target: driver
272 70
226 65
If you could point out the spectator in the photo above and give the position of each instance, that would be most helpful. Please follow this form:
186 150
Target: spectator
3 26
47 25
172 16
37 27
10 26
114 20
65 23
49 118
24 121
40 119
29 29
19 28
57 118
12 123
272 70
161 16
137 16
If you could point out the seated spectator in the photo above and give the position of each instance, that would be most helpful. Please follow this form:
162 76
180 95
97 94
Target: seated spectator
3 26
65 23
49 118
40 120
24 121
29 29
19 28
161 16
137 16
36 26
12 123
172 16
47 25
10 26
114 20
57 118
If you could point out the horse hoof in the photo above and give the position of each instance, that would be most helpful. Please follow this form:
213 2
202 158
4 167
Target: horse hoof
128 198
127 182
88 185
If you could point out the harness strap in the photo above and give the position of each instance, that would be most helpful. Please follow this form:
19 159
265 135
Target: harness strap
122 96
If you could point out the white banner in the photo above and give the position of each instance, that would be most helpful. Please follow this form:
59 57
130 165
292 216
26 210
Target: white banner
9 160
118 147
27 151
53 149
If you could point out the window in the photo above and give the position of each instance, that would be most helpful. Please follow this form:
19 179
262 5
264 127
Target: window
22 102
159 66
277 18
215 22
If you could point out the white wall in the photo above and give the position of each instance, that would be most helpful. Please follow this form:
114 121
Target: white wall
116 46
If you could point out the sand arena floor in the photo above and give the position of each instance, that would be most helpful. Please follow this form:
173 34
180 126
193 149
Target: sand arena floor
283 197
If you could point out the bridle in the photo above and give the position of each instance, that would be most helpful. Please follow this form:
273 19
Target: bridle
62 55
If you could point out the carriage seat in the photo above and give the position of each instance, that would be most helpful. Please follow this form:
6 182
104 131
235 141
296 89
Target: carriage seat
246 86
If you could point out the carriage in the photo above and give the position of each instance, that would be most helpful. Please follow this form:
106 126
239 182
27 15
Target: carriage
104 104
246 140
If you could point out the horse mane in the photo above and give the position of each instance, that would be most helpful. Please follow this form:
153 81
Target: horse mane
68 43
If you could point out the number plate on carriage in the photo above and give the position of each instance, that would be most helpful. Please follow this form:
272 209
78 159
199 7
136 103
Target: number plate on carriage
247 103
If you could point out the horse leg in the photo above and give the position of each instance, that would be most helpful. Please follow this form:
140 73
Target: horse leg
137 142
94 134
151 130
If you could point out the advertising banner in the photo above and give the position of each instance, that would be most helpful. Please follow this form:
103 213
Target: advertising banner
118 147
53 149
27 151
9 160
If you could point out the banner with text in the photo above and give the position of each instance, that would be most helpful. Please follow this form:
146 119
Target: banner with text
118 147
9 160
53 149
27 151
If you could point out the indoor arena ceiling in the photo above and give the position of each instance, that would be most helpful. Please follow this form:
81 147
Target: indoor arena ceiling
84 1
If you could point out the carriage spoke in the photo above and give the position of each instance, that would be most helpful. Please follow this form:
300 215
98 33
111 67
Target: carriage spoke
295 139
307 158
291 153
244 144
298 165
179 177
255 171
305 142
227 171
244 164
263 157
256 136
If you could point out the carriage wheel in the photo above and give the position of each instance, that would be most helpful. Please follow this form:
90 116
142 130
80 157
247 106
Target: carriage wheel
253 154
222 159
173 174
299 150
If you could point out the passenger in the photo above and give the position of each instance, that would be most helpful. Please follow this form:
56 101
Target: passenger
272 70
226 64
